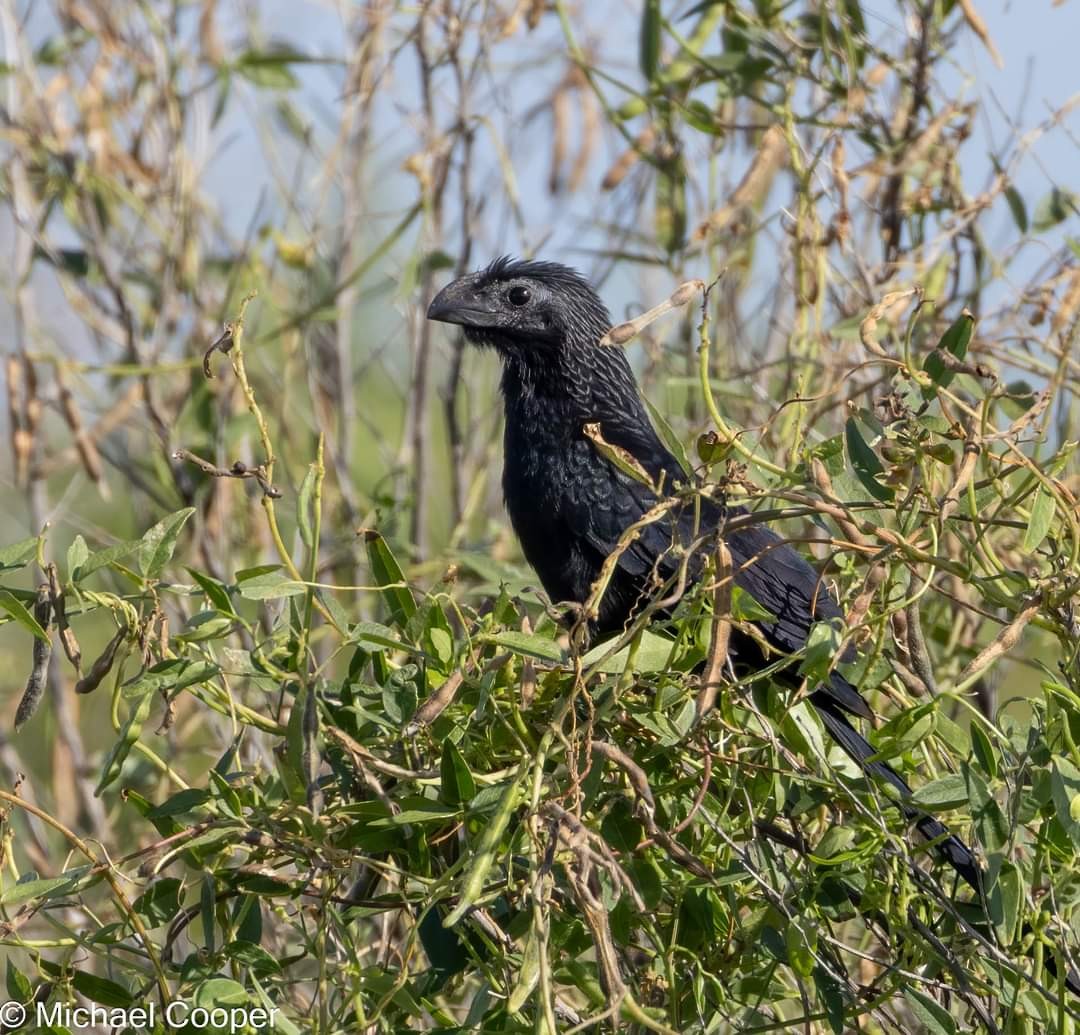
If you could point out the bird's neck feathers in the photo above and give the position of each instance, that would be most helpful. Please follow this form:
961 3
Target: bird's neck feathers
576 381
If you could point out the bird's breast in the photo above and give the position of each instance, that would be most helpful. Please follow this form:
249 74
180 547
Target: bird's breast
545 474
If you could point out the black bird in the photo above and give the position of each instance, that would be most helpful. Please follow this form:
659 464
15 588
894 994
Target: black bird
570 505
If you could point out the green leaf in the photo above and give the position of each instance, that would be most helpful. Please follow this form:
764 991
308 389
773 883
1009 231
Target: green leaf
935 1018
955 342
671 440
800 940
669 206
244 574
947 792
1017 208
267 70
220 992
905 731
1041 519
18 555
19 989
653 655
528 973
73 261
295 753
160 902
458 785
304 501
378 635
247 916
1065 789
101 990
745 608
649 43
984 751
864 462
282 1024
487 846
31 886
172 675
388 574
77 555
530 645
187 800
207 901
103 558
338 615
822 646
990 823
206 625
1055 208
253 956
801 724
157 545
20 614
419 810
834 845
129 733
215 591
442 646
271 585
1005 902
833 997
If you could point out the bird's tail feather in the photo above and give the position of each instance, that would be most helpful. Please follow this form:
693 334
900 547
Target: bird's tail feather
949 846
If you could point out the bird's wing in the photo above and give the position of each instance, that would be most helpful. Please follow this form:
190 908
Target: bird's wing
766 567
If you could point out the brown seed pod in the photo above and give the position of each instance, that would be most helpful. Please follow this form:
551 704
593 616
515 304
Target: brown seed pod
39 670
643 144
101 666
84 444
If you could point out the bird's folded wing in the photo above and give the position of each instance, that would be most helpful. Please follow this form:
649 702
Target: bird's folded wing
766 567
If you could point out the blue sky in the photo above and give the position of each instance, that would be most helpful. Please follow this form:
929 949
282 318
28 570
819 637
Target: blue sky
1035 38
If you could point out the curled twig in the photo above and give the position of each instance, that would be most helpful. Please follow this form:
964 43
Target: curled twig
720 633
223 345
238 470
963 478
67 636
634 773
362 754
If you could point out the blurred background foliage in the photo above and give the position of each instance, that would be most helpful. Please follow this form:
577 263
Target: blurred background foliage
341 758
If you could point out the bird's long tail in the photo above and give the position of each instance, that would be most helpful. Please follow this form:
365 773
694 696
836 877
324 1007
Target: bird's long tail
949 846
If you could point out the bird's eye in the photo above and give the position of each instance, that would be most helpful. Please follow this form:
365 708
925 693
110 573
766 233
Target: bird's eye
519 295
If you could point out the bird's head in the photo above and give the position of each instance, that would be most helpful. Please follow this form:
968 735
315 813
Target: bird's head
523 309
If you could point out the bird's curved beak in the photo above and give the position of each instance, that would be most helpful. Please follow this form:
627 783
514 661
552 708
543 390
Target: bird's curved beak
460 303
